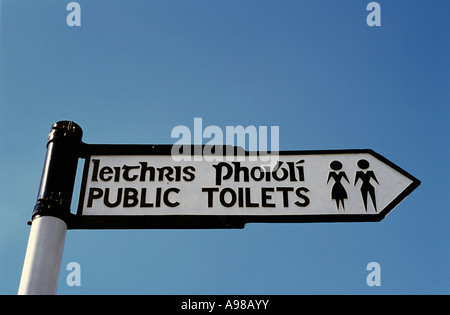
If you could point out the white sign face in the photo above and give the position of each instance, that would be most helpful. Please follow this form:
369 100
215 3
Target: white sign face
311 184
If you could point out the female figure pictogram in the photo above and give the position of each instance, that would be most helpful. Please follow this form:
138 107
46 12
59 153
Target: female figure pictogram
366 187
338 192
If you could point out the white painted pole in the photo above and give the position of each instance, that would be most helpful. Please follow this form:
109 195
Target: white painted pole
43 257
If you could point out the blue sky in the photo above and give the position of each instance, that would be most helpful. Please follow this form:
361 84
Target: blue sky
134 70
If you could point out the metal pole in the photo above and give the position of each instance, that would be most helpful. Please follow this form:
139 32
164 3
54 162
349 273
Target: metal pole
43 258
51 214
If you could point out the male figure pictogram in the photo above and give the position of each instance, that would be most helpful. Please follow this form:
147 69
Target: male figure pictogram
366 187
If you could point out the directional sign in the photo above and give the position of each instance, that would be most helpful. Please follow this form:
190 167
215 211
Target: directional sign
144 186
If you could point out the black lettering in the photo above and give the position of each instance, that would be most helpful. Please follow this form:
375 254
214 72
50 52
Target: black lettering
126 173
265 197
168 175
275 173
219 177
117 173
130 198
210 191
223 200
189 175
300 169
257 177
285 191
240 197
94 193
237 171
167 202
144 203
268 176
299 194
105 174
118 198
158 197
291 166
177 173
95 169
144 170
248 201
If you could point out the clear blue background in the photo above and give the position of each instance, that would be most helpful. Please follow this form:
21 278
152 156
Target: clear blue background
136 69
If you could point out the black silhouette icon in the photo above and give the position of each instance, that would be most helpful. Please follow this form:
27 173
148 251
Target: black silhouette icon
366 187
338 192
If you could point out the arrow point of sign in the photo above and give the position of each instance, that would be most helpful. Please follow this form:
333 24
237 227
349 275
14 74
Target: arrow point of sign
414 183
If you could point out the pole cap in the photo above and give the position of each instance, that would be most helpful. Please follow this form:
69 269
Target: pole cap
65 129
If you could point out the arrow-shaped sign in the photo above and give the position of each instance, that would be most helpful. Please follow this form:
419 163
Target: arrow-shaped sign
146 186
184 186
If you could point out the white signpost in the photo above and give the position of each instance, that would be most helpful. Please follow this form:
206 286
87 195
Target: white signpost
152 189
153 186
